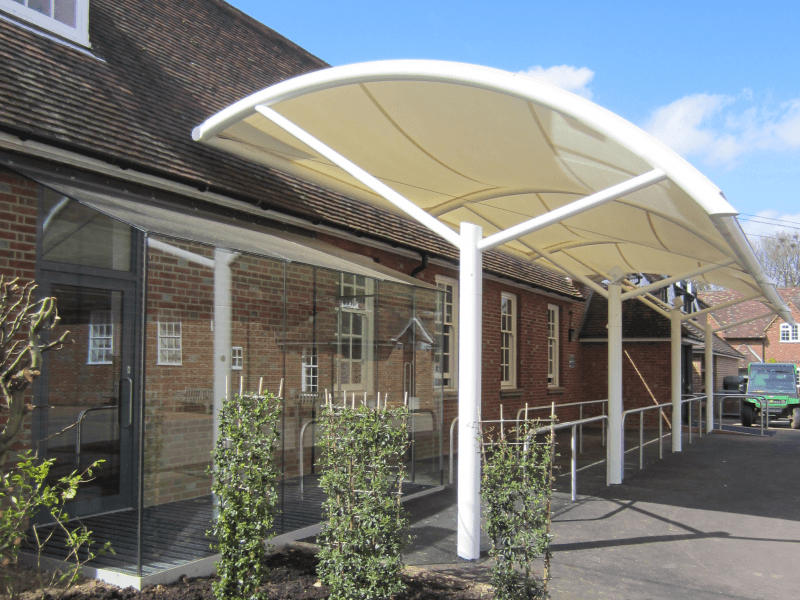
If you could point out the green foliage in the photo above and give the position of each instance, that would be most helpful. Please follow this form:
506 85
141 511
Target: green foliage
516 491
244 485
362 473
23 493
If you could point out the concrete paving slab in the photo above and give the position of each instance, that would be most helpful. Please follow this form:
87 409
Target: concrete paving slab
719 520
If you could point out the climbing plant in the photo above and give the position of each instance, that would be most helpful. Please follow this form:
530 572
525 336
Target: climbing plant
244 484
516 490
362 473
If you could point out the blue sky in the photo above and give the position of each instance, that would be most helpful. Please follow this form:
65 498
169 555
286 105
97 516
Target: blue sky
719 82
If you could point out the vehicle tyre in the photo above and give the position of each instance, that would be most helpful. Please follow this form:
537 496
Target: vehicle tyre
748 415
796 418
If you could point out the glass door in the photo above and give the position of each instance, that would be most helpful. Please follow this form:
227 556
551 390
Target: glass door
86 409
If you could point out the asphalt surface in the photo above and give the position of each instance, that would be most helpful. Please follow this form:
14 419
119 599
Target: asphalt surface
719 520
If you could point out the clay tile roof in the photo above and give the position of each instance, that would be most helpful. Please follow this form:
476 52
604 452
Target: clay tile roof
738 312
157 69
641 321
638 320
719 345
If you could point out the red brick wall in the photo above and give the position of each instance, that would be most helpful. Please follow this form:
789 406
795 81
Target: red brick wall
653 361
782 351
531 343
18 212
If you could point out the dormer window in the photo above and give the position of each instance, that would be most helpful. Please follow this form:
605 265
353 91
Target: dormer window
66 18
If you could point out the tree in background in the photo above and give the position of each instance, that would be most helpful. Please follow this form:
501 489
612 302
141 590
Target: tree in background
779 253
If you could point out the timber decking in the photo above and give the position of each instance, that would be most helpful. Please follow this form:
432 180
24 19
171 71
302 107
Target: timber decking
174 534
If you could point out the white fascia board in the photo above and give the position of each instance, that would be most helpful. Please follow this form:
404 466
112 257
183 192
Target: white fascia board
680 172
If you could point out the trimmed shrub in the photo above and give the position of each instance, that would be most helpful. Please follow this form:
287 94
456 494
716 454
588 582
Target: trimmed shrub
362 474
244 485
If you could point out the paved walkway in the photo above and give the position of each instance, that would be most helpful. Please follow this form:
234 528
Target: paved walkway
719 520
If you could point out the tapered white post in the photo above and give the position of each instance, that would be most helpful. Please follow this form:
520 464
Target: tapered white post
222 330
469 392
616 436
709 362
675 331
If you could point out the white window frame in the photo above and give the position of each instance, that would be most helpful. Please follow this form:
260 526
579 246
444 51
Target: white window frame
170 341
101 338
449 329
553 345
237 358
79 33
789 334
310 371
508 340
351 309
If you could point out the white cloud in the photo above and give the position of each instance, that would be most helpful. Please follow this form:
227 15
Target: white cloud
572 79
720 129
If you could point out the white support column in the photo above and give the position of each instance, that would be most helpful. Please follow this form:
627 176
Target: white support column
222 329
709 362
469 392
616 436
675 330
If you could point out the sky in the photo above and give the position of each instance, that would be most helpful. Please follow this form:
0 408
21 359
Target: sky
718 82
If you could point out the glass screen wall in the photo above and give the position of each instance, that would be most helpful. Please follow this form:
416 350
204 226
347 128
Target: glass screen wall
294 328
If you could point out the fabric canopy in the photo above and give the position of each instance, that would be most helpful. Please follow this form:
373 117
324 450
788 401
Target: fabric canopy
471 144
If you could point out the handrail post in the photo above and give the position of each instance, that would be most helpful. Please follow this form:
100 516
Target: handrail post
641 440
302 470
573 474
452 425
580 429
603 429
660 432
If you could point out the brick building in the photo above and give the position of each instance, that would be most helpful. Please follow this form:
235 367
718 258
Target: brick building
767 339
183 272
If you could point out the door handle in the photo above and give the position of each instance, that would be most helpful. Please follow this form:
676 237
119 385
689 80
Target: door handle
130 401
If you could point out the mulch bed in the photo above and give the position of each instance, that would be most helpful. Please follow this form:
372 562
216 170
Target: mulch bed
292 577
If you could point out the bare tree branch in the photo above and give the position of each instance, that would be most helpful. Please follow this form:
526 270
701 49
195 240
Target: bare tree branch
780 256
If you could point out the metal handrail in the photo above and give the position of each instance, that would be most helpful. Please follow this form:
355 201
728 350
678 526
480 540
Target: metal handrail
79 436
762 402
412 414
573 425
580 417
452 425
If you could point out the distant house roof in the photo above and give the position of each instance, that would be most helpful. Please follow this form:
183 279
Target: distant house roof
744 310
639 321
157 69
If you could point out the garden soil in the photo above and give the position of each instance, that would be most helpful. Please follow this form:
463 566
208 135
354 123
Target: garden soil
292 577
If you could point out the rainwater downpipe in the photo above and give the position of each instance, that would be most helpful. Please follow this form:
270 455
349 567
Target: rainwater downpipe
422 267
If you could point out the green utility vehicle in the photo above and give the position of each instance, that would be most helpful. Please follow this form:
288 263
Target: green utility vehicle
776 384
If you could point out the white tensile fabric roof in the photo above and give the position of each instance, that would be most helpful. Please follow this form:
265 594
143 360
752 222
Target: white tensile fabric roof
473 144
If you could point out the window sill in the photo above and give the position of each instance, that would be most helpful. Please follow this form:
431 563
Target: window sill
556 390
511 392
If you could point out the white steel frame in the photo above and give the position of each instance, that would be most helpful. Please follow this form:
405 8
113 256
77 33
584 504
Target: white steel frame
469 240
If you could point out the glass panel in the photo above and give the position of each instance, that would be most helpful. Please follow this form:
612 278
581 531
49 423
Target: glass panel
42 6
179 401
82 385
75 234
64 12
